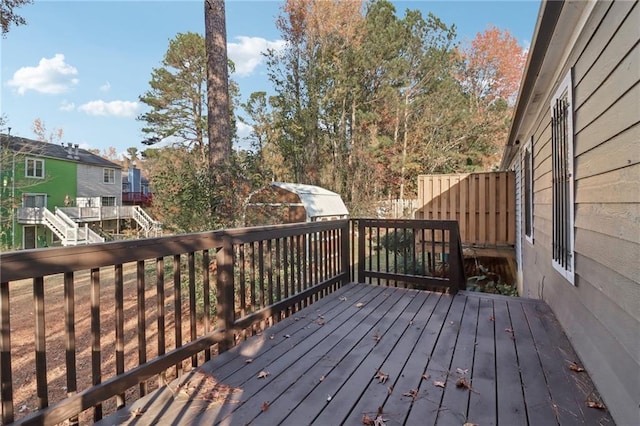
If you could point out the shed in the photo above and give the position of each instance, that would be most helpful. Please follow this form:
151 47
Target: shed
283 202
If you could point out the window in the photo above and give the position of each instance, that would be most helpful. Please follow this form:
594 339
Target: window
109 176
34 200
562 179
108 201
34 168
528 190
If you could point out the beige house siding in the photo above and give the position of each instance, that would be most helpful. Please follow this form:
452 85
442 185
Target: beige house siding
601 312
90 183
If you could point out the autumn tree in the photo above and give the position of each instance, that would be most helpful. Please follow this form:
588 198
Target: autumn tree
493 66
491 70
264 162
13 181
9 16
43 135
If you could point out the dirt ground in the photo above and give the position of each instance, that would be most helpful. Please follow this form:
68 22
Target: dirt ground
22 335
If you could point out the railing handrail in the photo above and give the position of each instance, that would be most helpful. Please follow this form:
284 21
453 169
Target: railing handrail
63 215
59 224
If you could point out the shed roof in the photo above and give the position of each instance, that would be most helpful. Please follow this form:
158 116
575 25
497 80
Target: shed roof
317 201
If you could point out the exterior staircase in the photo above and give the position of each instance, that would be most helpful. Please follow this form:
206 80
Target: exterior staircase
69 232
149 226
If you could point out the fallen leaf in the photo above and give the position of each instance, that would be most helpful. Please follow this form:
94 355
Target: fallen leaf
379 421
576 368
509 330
321 378
390 390
287 336
462 383
138 412
343 299
438 383
271 337
461 371
470 424
263 374
492 318
359 305
413 393
265 406
366 420
425 376
248 361
596 404
382 377
376 337
329 398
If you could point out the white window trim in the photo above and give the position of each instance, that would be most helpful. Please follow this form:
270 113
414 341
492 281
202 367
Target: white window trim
567 86
528 209
26 167
113 171
26 195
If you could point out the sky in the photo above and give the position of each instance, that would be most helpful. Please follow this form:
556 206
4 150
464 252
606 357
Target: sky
80 66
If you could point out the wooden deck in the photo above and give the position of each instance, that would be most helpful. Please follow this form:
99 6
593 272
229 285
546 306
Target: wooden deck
407 354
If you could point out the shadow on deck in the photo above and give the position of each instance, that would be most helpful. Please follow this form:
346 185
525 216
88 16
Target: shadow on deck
410 357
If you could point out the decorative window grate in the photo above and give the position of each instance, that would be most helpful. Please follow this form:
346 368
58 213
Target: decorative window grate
562 173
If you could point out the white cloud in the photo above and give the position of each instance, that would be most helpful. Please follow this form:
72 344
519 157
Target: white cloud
243 130
247 53
105 87
113 108
51 76
67 106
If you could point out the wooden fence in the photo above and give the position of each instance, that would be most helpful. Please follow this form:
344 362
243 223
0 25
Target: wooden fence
482 203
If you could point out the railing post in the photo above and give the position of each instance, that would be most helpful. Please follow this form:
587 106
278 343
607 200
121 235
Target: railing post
456 260
361 254
6 380
224 291
346 252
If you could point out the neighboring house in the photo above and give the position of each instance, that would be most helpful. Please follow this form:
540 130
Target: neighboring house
62 195
135 188
575 147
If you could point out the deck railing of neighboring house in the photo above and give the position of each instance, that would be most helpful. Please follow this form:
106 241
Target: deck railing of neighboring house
241 279
137 198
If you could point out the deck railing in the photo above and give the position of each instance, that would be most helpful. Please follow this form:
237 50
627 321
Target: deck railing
423 254
177 301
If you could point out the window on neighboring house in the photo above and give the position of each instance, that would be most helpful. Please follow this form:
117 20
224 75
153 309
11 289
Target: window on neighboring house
34 200
108 201
34 168
562 179
109 176
528 190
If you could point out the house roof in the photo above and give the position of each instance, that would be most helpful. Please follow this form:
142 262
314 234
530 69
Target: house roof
317 201
69 152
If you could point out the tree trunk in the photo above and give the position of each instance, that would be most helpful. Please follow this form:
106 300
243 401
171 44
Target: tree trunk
217 83
404 145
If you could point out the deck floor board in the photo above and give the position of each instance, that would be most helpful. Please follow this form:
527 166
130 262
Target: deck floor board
323 360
